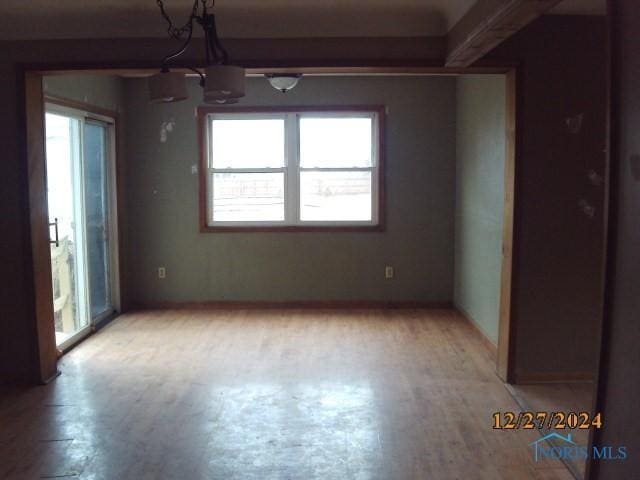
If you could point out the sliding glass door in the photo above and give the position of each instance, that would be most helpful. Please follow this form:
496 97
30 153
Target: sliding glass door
79 183
97 218
65 221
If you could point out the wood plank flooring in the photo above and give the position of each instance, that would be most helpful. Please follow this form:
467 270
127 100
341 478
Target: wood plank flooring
275 394
559 397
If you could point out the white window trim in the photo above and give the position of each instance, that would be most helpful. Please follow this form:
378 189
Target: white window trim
292 169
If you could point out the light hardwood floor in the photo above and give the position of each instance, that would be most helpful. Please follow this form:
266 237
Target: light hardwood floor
275 394
559 397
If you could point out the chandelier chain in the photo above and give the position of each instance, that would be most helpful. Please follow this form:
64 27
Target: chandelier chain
215 52
178 32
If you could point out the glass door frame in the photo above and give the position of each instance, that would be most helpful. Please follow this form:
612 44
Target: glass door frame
54 106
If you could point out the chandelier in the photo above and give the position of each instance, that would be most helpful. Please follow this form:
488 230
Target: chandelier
221 82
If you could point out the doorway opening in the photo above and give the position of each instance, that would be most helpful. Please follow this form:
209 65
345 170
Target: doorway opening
58 101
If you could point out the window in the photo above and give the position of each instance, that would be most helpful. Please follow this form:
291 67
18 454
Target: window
295 169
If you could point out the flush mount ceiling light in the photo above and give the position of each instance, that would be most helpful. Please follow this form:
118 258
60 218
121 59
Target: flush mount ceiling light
283 81
222 82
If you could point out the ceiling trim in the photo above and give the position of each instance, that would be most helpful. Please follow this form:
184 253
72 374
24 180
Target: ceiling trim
309 71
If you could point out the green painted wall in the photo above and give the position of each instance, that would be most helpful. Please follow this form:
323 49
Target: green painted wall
480 156
162 199
98 90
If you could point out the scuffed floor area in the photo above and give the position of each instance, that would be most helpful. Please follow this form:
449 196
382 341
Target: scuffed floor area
271 394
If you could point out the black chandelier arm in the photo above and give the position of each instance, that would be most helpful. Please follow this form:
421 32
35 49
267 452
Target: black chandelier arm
182 49
199 73
220 55
216 53
207 49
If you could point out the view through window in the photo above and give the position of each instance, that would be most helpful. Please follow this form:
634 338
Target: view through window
293 168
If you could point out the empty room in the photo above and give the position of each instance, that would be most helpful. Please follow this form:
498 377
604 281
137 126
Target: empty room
341 240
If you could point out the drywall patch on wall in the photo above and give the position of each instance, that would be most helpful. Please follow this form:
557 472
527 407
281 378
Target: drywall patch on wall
165 129
418 241
480 157
574 123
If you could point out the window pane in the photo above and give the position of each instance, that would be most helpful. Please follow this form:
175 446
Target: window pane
339 196
248 197
247 143
335 142
97 215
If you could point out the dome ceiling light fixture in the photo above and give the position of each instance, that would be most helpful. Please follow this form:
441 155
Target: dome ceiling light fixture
222 83
283 81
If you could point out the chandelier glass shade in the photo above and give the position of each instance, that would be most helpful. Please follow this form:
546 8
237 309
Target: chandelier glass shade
283 82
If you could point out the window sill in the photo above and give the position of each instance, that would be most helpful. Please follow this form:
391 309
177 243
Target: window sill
293 229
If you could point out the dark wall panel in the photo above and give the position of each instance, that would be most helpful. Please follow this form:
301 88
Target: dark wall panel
558 244
17 312
619 387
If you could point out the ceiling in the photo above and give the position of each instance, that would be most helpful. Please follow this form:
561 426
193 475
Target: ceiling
236 18
46 19
580 7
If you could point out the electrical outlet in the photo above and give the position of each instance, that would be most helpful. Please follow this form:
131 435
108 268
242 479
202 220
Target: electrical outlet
388 271
162 273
